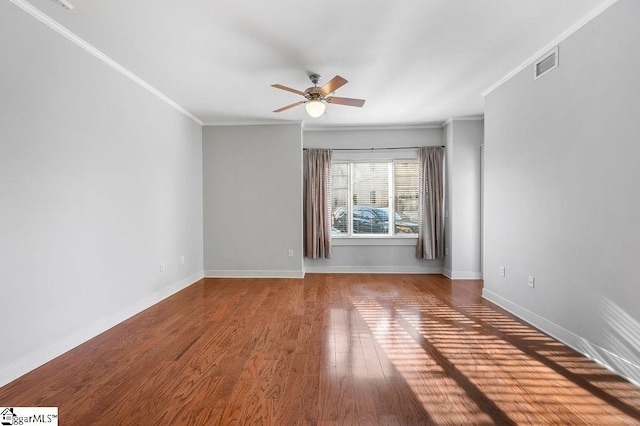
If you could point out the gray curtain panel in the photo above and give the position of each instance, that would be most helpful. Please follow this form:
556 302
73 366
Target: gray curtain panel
317 185
431 207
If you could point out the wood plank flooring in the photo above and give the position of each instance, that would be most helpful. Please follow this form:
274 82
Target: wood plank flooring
328 349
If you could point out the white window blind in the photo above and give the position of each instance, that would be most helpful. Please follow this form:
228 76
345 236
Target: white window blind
405 177
377 198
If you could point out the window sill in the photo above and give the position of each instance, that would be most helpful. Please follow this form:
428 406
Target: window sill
374 241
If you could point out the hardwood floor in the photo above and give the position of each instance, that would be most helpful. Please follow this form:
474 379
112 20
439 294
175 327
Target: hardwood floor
329 349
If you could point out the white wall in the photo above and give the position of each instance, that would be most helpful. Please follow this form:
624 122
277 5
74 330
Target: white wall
100 181
373 255
253 200
561 192
463 140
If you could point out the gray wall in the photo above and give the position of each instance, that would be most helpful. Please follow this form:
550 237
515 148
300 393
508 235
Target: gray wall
561 192
463 140
374 254
448 140
253 200
100 182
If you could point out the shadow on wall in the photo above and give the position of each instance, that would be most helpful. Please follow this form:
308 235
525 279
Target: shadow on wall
470 363
622 333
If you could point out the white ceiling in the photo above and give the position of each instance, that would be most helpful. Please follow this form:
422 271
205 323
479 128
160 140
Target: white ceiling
415 61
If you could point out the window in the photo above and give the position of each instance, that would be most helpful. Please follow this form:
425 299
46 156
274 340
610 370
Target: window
378 198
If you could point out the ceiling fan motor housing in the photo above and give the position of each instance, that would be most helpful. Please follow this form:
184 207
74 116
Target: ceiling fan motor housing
313 94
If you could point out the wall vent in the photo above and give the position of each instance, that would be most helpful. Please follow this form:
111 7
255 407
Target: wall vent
546 64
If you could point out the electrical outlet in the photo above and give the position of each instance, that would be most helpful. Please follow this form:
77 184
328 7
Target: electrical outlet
503 271
290 253
532 281
446 251
162 267
182 260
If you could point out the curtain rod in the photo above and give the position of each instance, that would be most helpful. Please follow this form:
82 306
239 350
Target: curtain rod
373 149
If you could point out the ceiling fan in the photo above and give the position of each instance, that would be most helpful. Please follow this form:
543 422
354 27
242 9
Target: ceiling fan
317 96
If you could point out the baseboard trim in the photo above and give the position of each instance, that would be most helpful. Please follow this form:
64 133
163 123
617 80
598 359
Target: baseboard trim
371 270
607 359
461 275
252 274
37 358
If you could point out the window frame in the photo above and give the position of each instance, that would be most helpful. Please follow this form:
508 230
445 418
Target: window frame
387 156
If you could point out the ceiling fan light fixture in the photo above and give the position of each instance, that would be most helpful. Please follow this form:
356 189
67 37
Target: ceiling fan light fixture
315 108
315 97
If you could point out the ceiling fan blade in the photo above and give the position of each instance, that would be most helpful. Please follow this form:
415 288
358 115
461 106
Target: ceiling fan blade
332 85
288 89
345 101
289 106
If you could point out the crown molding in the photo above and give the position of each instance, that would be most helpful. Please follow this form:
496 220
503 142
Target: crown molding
360 127
252 123
62 30
575 27
450 120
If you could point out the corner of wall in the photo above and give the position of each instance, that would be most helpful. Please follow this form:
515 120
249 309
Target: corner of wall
45 354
